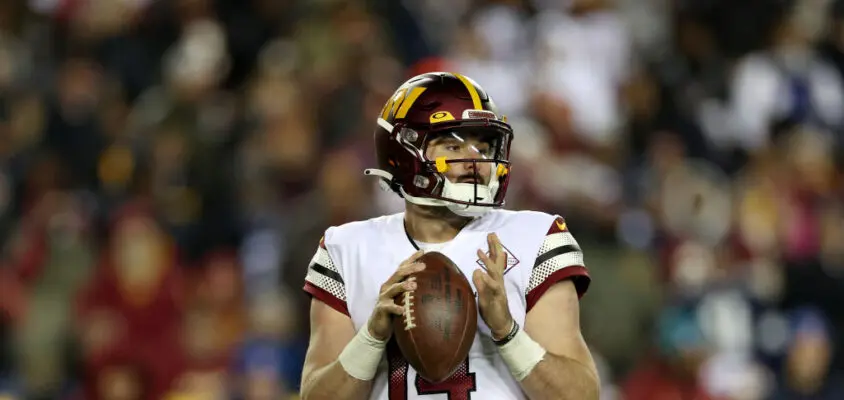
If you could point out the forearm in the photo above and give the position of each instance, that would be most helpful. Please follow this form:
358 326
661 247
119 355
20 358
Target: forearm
350 375
332 382
559 377
543 375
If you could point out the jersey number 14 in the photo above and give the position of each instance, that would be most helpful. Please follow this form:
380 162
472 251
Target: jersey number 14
458 386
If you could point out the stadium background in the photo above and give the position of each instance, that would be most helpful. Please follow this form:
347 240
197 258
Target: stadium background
168 167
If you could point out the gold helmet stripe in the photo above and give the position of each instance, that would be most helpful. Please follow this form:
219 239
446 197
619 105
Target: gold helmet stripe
408 101
473 93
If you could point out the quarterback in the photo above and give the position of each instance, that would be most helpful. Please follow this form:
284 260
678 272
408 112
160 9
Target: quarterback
443 147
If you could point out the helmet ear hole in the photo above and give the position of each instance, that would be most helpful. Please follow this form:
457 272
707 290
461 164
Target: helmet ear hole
421 181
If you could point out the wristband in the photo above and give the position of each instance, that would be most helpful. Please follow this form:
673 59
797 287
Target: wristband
521 354
360 358
509 336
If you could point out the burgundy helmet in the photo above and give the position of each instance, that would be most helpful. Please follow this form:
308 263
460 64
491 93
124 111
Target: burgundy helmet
437 105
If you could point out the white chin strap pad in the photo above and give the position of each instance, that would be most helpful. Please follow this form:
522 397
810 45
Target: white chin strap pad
451 191
467 192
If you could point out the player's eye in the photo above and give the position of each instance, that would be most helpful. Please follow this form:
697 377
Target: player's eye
484 149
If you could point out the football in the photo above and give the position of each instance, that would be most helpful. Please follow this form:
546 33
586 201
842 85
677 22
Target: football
440 319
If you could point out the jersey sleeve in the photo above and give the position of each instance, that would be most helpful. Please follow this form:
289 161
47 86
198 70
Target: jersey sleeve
324 281
559 258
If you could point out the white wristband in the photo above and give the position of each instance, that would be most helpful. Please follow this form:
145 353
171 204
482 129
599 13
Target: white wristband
360 358
521 354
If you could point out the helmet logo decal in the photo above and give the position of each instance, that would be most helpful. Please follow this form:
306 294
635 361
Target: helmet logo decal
399 105
441 116
393 103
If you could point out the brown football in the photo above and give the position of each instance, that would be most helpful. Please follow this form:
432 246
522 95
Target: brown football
440 319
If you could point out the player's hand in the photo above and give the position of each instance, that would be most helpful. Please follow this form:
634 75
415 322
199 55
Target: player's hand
492 294
381 322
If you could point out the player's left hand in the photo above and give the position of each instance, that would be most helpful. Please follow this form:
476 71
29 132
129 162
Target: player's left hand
492 294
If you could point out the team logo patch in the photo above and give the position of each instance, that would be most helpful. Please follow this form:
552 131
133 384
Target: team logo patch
512 261
441 116
561 225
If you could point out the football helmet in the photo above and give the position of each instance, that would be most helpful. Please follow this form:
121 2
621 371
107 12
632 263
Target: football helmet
428 108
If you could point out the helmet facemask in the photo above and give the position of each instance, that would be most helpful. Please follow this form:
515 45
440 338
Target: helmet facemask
463 166
469 162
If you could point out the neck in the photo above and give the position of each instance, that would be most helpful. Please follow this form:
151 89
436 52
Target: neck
432 224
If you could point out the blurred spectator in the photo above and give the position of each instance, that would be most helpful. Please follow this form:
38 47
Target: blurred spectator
269 363
787 81
806 373
674 373
53 260
120 380
134 304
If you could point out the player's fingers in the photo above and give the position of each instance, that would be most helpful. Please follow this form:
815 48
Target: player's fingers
398 288
392 308
492 245
409 269
480 282
484 280
500 254
501 263
485 258
491 266
477 278
413 257
404 271
492 285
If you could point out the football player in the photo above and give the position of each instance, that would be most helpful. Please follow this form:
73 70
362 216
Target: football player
443 147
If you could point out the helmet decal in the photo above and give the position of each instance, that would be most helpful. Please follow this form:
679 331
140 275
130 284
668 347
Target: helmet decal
479 114
400 103
441 116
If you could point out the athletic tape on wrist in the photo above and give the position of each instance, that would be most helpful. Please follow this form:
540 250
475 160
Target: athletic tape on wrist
360 358
521 354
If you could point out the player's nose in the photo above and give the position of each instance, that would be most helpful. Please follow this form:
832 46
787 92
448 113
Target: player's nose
472 155
469 167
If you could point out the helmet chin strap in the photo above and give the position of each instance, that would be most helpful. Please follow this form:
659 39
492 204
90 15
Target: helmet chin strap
388 177
385 176
456 191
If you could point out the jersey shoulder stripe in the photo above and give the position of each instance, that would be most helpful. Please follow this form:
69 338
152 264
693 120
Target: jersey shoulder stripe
324 281
559 258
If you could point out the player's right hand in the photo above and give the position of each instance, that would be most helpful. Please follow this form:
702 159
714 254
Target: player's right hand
381 322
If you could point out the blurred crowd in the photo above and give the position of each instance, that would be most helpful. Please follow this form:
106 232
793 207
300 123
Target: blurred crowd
167 168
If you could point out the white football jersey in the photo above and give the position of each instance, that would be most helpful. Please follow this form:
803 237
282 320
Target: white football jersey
355 259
